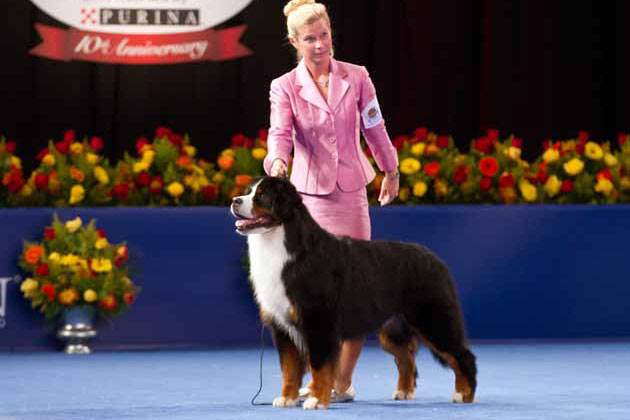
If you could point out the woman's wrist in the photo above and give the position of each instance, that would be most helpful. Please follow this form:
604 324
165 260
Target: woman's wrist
394 174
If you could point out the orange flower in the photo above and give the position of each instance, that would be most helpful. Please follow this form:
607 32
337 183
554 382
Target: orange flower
183 161
68 296
33 254
226 162
77 174
243 180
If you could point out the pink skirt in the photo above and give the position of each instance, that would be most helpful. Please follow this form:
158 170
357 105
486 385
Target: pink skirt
341 213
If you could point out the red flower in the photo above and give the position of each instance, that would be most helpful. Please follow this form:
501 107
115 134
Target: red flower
493 135
96 143
14 181
101 233
140 143
567 186
41 154
583 137
162 132
579 148
421 133
432 169
62 147
109 303
399 142
506 180
210 192
120 191
239 140
442 142
143 179
483 145
69 136
488 166
49 233
176 140
118 261
622 138
42 270
547 144
485 184
542 176
10 147
128 297
461 174
41 181
517 142
156 185
248 143
49 290
604 173
263 134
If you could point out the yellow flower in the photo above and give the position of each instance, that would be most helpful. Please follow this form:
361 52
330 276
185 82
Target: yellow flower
227 152
625 183
552 186
16 161
190 150
54 257
196 182
140 166
26 190
74 224
441 187
175 189
551 155
218 178
593 151
432 149
147 156
77 194
513 153
76 148
604 186
101 243
69 260
574 166
90 296
460 160
259 153
68 296
101 265
410 166
92 158
528 191
610 160
48 160
127 282
419 188
29 285
418 149
101 175
403 194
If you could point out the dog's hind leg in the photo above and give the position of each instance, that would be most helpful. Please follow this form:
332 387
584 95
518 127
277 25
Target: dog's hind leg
292 365
396 338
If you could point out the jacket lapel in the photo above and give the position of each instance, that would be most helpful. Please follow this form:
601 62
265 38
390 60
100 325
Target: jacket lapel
309 91
338 84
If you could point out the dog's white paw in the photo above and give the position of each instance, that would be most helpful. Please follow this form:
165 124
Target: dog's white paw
284 402
312 403
403 395
458 397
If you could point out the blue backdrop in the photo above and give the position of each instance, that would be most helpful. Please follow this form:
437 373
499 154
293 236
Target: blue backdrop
522 271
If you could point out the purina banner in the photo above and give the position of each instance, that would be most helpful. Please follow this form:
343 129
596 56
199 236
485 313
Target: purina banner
141 31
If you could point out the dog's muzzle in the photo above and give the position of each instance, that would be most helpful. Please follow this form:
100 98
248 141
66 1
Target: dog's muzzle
247 220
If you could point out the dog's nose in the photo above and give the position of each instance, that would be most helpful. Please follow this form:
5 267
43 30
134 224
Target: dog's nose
237 201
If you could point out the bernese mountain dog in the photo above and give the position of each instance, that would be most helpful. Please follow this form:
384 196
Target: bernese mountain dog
315 289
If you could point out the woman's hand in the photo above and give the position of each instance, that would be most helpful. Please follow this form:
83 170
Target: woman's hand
278 168
389 187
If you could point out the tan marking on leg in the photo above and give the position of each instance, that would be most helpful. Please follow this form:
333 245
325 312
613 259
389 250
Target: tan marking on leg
323 380
405 361
462 386
293 368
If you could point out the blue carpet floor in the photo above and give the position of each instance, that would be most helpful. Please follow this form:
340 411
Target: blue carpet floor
516 381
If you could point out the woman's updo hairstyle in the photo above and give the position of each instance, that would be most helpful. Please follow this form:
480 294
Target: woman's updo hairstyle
303 12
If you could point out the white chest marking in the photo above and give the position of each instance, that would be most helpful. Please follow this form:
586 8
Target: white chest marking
267 257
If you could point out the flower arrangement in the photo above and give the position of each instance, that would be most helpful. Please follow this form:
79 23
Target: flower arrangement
70 173
13 184
76 265
239 164
164 172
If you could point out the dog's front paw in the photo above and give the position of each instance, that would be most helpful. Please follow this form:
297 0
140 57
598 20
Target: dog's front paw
459 397
313 403
403 395
284 402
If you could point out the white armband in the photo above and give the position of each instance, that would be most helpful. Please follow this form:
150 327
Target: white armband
371 114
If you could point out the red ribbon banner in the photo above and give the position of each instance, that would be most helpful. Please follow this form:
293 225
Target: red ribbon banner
75 44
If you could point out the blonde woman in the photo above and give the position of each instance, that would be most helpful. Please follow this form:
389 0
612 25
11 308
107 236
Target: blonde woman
317 110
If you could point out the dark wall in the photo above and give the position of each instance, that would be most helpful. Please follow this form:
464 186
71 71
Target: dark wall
536 68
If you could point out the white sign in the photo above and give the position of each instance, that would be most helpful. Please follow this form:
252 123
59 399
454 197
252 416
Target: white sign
3 297
142 16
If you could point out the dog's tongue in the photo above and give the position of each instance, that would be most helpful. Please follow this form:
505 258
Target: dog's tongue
243 222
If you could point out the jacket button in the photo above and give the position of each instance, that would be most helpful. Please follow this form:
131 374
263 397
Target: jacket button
334 155
332 139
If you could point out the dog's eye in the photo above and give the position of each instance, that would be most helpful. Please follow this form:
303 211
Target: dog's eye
247 191
262 200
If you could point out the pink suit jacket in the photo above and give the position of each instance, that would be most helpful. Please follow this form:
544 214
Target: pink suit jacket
325 136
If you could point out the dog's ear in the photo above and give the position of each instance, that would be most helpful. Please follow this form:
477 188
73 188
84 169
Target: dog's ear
286 200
